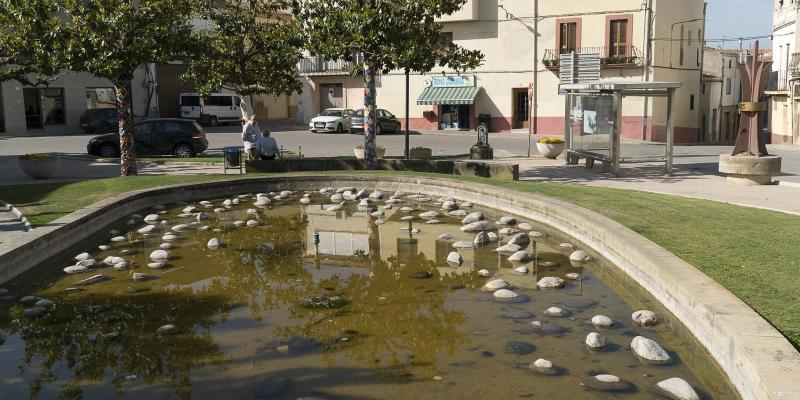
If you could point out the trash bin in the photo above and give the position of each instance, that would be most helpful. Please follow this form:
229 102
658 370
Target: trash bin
233 158
485 119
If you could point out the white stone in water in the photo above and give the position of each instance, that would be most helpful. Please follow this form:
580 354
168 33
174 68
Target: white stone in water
505 294
76 269
495 284
159 255
644 318
181 228
508 248
543 364
377 214
156 265
606 378
326 190
150 218
167 329
202 216
433 222
345 189
286 193
507 231
463 244
601 321
121 266
147 229
445 236
481 239
429 215
484 273
190 210
104 247
550 282
82 257
227 203
252 211
449 205
521 269
86 263
111 260
380 222
334 207
457 213
92 280
262 202
251 223
164 222
678 389
455 258
239 223
376 195
407 209
507 221
472 218
169 238
387 207
535 234
140 277
649 350
185 215
165 246
416 231
348 195
466 204
566 246
213 243
204 228
595 340
579 255
408 218
520 239
117 239
573 275
525 226
478 226
554 312
492 236
521 256
394 201
305 200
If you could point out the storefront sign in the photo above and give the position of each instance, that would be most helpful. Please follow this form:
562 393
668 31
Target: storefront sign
452 81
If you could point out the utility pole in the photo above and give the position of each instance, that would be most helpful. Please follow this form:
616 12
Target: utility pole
702 59
408 90
534 111
647 57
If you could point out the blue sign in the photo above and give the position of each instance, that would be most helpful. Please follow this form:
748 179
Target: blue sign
453 81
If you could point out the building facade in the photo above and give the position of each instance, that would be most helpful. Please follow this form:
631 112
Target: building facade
722 85
782 87
668 49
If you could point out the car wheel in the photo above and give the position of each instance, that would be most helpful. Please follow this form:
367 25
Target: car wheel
339 128
213 121
108 150
183 151
377 129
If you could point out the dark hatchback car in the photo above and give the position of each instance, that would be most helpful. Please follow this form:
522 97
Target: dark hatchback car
387 122
99 120
179 137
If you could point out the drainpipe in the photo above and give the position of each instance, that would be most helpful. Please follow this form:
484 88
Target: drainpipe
702 58
534 111
648 43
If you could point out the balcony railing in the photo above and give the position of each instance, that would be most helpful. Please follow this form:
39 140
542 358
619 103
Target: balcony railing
319 66
778 81
610 57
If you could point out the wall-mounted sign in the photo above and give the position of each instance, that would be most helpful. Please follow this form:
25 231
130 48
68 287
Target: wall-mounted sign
453 81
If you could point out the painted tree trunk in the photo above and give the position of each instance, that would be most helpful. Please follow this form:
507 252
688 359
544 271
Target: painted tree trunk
127 155
371 120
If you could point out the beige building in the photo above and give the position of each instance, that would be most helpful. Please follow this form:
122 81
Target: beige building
505 32
782 87
722 86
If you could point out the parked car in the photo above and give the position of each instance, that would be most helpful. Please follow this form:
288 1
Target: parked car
332 120
99 120
179 137
387 122
211 110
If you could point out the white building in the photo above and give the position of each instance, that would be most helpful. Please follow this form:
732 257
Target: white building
782 84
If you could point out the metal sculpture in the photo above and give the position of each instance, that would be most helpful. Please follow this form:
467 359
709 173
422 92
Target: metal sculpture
370 123
754 81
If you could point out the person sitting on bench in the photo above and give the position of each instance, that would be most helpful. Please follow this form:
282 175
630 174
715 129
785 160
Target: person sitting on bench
267 146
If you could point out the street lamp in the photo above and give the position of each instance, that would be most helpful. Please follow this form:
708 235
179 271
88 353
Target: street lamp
671 31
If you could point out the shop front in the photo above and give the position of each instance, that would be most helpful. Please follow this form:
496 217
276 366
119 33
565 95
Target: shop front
453 98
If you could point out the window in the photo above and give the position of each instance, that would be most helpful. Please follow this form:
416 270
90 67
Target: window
568 38
143 129
691 102
730 64
101 98
618 42
224 101
728 85
680 57
190 101
446 39
168 129
53 105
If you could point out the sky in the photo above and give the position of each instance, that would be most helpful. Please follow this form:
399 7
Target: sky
737 18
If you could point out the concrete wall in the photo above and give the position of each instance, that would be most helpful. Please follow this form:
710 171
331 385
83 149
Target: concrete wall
782 124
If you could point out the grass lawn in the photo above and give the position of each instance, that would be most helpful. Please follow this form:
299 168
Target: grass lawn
751 252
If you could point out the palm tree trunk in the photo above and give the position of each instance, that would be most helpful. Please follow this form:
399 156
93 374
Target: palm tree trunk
371 120
127 155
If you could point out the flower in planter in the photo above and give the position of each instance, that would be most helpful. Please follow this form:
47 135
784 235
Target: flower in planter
36 157
550 140
361 146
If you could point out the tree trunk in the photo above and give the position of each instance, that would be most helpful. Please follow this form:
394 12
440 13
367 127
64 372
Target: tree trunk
127 155
371 120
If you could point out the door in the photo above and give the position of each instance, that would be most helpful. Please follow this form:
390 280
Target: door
520 117
388 121
463 118
33 108
330 96
190 106
143 138
226 110
164 137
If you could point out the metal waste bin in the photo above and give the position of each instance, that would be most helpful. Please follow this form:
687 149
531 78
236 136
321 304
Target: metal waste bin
233 158
485 119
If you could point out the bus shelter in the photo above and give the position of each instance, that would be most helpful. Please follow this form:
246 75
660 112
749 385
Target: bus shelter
593 120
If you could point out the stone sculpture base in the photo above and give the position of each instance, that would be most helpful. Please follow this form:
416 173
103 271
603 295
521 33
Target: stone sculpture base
746 170
481 153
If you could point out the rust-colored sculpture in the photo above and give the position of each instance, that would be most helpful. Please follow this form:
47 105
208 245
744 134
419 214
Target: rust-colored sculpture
754 81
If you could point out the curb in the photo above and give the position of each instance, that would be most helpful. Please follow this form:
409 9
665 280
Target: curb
788 184
18 213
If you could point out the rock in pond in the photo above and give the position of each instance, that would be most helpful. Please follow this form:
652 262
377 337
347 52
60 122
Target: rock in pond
122 266
92 280
111 260
507 221
520 239
167 329
141 277
408 218
508 248
463 244
516 314
543 366
555 312
571 275
455 258
45 303
251 223
601 321
34 312
550 282
521 269
83 257
104 247
521 256
449 205
536 234
677 389
547 328
323 301
457 213
579 256
445 236
28 301
595 341
478 226
507 231
519 348
649 351
505 294
156 265
166 246
608 383
472 218
482 239
181 228
494 285
421 275
525 226
213 244
76 269
484 273
159 255
644 318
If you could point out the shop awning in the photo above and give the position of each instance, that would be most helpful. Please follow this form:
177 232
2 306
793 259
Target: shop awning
448 95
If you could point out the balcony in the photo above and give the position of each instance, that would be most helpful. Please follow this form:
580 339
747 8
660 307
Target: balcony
317 66
778 82
621 57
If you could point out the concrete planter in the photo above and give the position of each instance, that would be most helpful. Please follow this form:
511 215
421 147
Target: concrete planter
747 170
551 150
39 169
420 153
360 153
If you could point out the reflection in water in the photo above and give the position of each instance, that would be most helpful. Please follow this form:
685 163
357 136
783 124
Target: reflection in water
275 313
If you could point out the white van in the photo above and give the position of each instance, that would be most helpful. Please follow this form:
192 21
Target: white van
211 110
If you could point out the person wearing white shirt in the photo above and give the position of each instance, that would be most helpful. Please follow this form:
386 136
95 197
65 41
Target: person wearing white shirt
250 134
267 146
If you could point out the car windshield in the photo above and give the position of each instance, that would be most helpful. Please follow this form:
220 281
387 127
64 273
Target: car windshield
331 113
359 113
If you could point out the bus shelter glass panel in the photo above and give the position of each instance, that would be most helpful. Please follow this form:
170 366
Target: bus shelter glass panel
592 124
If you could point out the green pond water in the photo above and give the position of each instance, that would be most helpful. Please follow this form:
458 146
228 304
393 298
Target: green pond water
244 327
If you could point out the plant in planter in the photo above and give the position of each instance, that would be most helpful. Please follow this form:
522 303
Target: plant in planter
421 153
551 147
39 166
359 151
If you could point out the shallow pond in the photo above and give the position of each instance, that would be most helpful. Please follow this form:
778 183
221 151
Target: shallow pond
333 304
